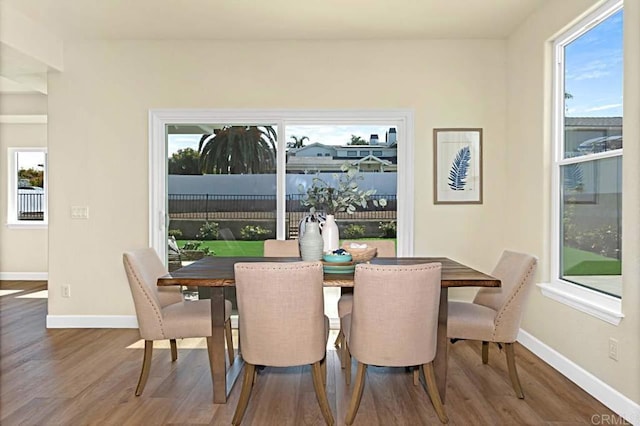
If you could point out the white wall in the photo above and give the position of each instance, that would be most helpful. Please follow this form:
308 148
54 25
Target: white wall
98 136
575 335
23 252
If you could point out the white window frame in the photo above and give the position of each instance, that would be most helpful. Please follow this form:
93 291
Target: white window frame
605 307
12 191
402 119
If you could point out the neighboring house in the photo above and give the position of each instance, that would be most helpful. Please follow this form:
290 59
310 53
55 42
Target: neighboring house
590 134
317 157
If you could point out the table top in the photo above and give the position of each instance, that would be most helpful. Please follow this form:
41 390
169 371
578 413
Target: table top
217 271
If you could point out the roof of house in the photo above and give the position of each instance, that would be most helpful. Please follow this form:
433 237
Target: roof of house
593 121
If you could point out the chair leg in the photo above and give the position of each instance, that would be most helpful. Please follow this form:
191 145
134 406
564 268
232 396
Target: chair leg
146 365
323 369
347 362
416 376
245 394
356 396
432 390
174 349
513 371
339 338
321 393
229 336
485 352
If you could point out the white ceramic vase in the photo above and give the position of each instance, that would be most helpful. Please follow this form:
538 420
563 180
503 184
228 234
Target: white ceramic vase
330 234
311 243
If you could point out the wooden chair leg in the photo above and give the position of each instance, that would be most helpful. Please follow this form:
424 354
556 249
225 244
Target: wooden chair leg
356 396
432 390
339 338
485 352
243 401
321 393
323 368
513 371
229 336
174 349
347 362
146 365
416 376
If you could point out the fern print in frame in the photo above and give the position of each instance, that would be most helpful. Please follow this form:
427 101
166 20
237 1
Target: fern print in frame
457 166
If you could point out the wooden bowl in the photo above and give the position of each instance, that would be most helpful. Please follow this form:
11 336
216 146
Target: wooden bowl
360 255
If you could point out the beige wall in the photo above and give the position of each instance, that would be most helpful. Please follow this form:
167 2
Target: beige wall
98 135
579 337
21 250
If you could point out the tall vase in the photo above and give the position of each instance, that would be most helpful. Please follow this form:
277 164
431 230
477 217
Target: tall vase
311 242
330 234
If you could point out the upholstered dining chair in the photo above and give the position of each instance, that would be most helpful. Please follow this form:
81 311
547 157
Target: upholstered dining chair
393 324
265 290
281 248
385 248
163 313
495 313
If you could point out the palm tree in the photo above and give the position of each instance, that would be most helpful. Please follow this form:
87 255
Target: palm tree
238 150
298 142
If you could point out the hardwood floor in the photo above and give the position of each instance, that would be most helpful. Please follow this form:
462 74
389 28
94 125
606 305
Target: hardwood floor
88 376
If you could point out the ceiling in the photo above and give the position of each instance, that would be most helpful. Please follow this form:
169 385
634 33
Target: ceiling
243 20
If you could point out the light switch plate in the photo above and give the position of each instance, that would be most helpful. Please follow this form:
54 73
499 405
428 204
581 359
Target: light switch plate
79 212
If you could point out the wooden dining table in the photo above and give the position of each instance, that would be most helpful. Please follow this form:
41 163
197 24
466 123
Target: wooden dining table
215 273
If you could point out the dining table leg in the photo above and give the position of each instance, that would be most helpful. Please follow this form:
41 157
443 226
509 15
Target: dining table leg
223 380
440 361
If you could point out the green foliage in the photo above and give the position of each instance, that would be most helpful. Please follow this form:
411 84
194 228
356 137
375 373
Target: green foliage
357 140
253 233
353 231
388 229
35 177
343 196
185 162
604 240
175 233
238 150
197 246
208 231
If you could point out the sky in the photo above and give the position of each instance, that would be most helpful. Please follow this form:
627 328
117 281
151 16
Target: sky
326 134
30 160
593 71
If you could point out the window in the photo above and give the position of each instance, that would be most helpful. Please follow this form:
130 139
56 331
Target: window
164 124
587 165
377 153
364 153
27 197
352 153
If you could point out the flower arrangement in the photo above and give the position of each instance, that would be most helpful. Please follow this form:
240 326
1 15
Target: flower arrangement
343 196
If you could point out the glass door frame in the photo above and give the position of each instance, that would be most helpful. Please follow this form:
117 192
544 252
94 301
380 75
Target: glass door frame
159 119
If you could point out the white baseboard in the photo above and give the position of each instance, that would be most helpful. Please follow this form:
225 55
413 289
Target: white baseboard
24 276
92 321
617 402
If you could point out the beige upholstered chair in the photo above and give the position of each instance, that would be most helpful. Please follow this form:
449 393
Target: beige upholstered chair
386 248
393 324
265 290
162 313
281 248
495 313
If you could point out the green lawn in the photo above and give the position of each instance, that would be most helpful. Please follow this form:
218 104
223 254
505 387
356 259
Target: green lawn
238 248
580 262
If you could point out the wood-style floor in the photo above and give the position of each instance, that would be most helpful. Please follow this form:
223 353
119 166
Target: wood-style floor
88 376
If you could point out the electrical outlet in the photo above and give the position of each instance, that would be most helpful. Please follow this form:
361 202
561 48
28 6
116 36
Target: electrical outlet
66 290
613 349
79 212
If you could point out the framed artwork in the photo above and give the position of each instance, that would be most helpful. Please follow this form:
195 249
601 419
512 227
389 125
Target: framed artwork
457 156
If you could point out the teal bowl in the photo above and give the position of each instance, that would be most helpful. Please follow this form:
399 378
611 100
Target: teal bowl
337 258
